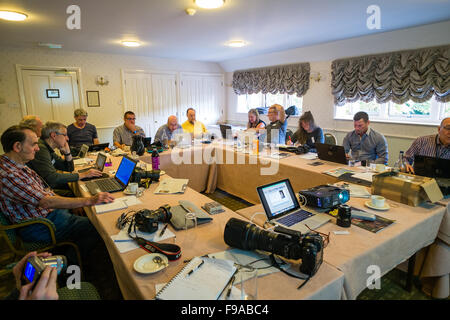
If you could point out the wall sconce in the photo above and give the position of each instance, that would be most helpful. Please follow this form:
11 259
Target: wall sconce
102 80
316 76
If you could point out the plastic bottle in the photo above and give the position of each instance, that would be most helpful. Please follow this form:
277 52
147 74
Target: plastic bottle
155 159
399 165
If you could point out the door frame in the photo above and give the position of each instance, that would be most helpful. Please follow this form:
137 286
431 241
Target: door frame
21 67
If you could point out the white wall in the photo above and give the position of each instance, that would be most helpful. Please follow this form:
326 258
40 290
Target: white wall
110 114
319 99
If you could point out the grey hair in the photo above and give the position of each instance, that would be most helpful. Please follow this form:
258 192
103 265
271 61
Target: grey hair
49 127
80 112
29 121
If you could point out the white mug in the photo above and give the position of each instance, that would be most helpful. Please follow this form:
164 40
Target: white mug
378 201
132 187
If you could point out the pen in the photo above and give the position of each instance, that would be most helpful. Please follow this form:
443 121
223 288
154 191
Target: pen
127 240
198 267
231 286
163 230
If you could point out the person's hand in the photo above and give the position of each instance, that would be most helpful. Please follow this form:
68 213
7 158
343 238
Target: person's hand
90 173
101 197
65 149
409 168
45 288
348 156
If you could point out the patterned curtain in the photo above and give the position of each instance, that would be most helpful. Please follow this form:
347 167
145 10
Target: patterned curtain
288 79
398 76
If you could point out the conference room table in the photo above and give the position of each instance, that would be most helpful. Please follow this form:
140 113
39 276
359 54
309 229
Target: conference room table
204 239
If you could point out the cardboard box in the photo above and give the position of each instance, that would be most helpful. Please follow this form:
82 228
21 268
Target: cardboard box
406 188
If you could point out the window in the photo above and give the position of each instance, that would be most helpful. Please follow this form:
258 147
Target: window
259 100
431 111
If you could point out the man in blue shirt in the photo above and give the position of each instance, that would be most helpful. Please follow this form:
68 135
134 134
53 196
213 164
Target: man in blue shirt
364 142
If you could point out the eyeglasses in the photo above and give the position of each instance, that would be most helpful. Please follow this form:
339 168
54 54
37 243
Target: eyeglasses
446 128
131 119
61 134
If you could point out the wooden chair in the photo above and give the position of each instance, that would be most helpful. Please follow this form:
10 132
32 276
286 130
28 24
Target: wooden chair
330 139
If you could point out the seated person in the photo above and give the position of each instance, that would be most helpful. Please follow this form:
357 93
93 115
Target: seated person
165 132
435 145
123 135
254 122
46 162
196 128
364 142
276 130
26 196
34 122
308 133
81 132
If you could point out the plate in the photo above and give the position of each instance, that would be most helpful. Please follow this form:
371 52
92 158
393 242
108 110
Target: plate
146 265
369 204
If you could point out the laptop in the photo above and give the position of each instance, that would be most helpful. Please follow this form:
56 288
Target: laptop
99 165
225 130
83 152
437 168
330 152
281 207
117 183
98 147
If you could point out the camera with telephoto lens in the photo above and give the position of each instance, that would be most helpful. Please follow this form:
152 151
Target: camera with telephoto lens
141 174
302 149
284 242
147 220
36 265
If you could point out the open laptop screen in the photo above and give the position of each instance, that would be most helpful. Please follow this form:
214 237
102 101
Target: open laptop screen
432 167
278 198
125 170
101 160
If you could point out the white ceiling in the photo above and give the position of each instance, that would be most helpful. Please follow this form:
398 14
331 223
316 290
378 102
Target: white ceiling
168 32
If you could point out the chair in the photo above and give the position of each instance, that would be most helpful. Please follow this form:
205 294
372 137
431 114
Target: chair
19 248
330 139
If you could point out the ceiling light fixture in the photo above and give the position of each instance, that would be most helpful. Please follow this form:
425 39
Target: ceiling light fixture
12 15
237 43
131 43
209 4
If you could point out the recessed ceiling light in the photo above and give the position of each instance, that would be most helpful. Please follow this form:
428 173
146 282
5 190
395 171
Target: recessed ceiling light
237 43
209 4
131 43
12 15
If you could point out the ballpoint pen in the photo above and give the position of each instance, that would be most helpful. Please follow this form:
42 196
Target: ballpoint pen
230 287
163 230
196 268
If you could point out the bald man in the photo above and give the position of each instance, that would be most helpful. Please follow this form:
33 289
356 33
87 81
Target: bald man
166 131
34 123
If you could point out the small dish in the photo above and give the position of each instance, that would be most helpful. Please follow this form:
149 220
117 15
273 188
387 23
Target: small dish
147 265
128 193
371 206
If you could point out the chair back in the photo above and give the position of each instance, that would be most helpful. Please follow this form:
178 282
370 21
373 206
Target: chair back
330 139
7 234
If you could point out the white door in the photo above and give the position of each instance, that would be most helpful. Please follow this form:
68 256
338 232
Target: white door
37 100
164 99
137 99
205 94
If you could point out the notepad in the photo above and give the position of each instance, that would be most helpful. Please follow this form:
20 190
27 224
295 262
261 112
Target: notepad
206 281
172 186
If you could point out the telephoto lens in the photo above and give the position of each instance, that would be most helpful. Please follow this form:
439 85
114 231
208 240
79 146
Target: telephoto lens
344 218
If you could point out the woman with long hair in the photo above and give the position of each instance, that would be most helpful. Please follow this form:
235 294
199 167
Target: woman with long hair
254 122
308 133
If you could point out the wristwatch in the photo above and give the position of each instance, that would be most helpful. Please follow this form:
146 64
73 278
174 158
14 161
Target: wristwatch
67 154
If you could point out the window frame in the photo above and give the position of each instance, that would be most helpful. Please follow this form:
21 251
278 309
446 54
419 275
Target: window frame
287 101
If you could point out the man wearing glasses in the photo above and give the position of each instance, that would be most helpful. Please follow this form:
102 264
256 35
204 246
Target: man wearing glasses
46 162
123 135
435 145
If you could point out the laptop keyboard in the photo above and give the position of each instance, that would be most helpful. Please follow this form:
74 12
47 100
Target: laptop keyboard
105 185
294 218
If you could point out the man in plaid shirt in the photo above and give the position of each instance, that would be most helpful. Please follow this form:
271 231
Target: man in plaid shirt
24 195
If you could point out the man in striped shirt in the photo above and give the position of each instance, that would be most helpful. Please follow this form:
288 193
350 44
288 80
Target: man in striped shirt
435 145
24 196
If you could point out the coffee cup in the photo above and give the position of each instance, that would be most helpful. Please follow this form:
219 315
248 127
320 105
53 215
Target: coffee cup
377 201
132 187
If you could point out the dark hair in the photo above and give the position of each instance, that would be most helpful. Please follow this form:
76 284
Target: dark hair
127 113
12 135
302 134
361 115
187 111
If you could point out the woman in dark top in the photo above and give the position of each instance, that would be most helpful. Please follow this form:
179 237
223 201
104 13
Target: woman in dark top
308 133
254 122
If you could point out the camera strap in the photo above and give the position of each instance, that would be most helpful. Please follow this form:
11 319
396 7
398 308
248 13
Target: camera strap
170 250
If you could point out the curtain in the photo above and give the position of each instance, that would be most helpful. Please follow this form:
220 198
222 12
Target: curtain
398 76
288 79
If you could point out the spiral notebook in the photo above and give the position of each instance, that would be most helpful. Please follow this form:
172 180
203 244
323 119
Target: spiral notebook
202 279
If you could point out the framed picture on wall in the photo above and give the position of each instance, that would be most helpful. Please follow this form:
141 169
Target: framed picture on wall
52 93
93 98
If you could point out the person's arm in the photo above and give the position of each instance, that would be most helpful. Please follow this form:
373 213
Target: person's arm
319 137
158 135
94 135
382 150
117 139
58 202
96 141
346 145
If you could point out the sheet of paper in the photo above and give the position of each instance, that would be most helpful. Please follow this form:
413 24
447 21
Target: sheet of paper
308 156
80 162
367 176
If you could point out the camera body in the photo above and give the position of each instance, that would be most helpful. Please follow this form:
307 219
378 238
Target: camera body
302 149
284 242
36 265
140 174
147 220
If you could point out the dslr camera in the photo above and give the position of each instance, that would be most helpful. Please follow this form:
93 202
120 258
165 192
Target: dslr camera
141 174
284 242
36 265
147 220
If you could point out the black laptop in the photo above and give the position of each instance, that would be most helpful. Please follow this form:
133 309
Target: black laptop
330 152
225 130
98 147
436 168
117 183
99 165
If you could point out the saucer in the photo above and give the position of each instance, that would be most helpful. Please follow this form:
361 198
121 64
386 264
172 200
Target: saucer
146 265
128 193
371 206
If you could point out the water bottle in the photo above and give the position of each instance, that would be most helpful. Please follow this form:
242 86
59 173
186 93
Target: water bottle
399 165
155 159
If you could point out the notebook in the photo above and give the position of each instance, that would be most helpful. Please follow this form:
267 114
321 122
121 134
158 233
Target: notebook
202 279
172 186
282 208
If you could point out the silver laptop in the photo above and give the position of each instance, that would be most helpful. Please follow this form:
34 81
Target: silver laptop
282 208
